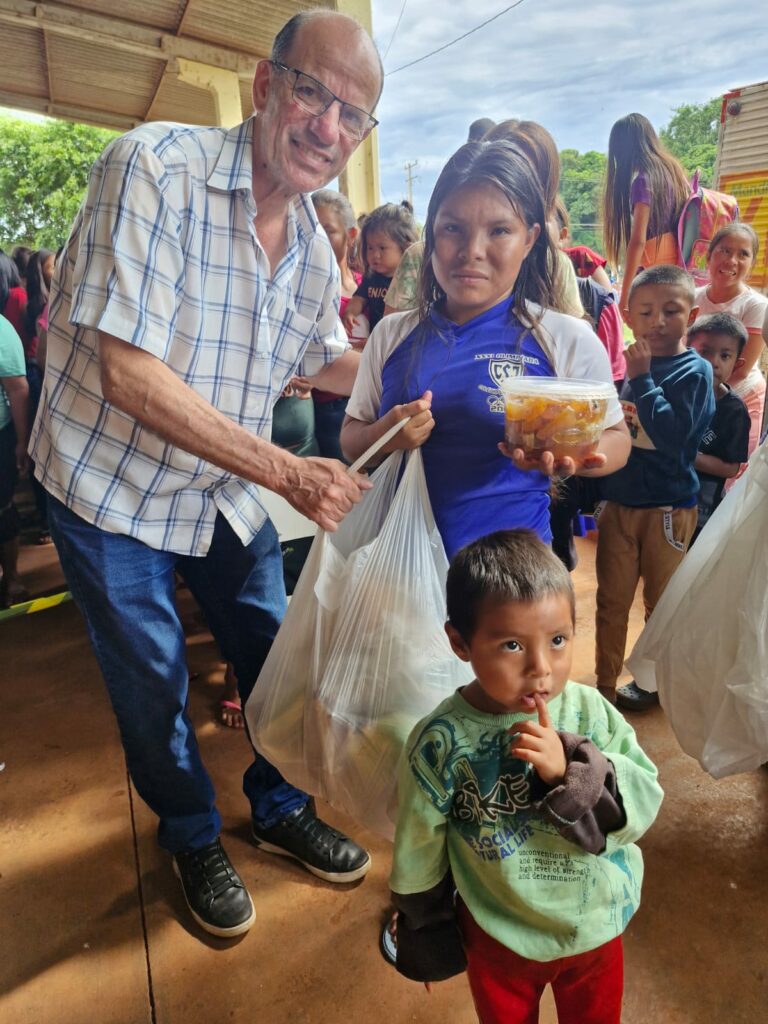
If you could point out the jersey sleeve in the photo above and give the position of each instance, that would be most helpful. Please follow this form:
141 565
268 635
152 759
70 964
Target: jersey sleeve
365 400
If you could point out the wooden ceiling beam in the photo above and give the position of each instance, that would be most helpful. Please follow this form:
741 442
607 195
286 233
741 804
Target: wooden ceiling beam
126 36
67 111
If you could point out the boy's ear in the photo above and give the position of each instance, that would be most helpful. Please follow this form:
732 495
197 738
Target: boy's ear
692 315
458 646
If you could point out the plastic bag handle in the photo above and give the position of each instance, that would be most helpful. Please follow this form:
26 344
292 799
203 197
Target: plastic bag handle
377 445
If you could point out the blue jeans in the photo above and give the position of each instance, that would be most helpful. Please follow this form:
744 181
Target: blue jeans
126 593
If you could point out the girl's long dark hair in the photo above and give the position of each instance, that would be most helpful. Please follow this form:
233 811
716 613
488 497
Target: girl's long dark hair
505 166
634 147
9 278
37 290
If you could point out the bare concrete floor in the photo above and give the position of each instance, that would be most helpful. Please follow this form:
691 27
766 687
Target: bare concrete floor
94 929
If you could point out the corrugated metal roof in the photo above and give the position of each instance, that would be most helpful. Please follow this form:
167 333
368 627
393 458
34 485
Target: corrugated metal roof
113 64
742 164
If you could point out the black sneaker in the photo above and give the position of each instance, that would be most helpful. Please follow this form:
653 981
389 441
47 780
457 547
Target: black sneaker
321 849
632 698
214 893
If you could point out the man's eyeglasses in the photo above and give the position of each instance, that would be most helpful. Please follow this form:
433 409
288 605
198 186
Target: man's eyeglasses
316 98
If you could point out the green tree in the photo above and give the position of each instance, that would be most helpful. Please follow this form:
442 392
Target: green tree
691 136
581 180
43 175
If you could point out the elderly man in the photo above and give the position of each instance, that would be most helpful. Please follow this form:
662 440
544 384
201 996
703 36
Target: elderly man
196 282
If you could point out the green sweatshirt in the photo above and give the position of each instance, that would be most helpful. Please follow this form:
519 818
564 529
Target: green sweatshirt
547 872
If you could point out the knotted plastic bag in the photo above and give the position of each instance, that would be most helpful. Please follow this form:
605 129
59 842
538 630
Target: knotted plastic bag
705 647
362 653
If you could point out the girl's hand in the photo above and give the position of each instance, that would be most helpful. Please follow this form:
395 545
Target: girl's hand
349 320
539 745
298 387
415 433
551 466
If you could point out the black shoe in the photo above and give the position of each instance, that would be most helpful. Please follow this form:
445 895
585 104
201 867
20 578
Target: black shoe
632 698
320 848
214 893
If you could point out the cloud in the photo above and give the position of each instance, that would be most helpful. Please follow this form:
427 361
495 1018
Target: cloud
576 68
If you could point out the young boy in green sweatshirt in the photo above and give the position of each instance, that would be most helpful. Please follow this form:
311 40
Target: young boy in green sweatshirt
525 793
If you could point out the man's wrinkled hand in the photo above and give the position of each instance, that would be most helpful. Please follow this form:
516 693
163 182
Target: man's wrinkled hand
323 490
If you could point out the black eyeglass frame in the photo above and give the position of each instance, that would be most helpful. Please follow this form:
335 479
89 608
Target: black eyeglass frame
332 97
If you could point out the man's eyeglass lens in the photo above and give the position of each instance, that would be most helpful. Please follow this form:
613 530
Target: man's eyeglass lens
316 98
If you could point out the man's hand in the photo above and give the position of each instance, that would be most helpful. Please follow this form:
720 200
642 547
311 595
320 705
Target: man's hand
638 357
322 490
539 744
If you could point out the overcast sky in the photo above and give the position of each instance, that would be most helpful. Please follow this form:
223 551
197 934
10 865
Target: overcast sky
576 67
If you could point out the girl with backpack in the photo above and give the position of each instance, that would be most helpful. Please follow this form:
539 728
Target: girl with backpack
646 189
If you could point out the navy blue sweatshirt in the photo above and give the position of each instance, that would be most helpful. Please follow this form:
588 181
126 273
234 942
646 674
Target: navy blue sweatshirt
667 411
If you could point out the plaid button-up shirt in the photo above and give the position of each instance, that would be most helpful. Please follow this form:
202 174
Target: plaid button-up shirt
164 255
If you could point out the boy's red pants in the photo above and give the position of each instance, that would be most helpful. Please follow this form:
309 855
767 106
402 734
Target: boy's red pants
507 988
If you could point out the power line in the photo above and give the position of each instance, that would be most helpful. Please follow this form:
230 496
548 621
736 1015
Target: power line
394 33
454 41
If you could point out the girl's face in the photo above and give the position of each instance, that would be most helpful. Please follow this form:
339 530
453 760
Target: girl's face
731 261
382 253
332 223
480 245
47 267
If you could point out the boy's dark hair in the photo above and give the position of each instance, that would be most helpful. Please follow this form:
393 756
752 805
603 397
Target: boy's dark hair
665 273
720 323
395 221
510 565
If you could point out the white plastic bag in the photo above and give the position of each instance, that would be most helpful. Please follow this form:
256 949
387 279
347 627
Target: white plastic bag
705 647
362 652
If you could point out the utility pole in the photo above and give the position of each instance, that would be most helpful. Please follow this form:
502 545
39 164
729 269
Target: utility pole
410 177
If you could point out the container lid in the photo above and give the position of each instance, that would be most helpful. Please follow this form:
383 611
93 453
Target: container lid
556 387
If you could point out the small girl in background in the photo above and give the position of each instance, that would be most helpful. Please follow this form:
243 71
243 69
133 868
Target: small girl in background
645 191
386 234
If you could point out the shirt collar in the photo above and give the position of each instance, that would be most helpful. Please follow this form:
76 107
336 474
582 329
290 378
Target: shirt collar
233 172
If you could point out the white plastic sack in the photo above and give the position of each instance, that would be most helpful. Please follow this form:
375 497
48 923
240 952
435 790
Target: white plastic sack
362 653
705 647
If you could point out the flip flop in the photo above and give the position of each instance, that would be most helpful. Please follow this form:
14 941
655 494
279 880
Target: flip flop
237 721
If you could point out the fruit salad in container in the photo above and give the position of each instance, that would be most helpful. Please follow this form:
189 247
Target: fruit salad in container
555 414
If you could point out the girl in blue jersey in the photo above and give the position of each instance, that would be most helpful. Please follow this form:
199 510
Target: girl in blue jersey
484 315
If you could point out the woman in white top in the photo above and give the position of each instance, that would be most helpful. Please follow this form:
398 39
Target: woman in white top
731 257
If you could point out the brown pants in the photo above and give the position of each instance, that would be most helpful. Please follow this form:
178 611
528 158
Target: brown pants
633 543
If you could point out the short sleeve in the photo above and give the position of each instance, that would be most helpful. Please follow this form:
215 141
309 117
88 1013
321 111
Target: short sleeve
12 363
361 291
754 310
579 354
365 400
129 272
639 193
735 431
403 291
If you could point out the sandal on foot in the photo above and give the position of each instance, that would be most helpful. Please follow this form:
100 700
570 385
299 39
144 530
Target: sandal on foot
231 714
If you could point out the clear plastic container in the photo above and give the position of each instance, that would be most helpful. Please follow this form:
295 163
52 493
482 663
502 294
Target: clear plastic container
555 414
